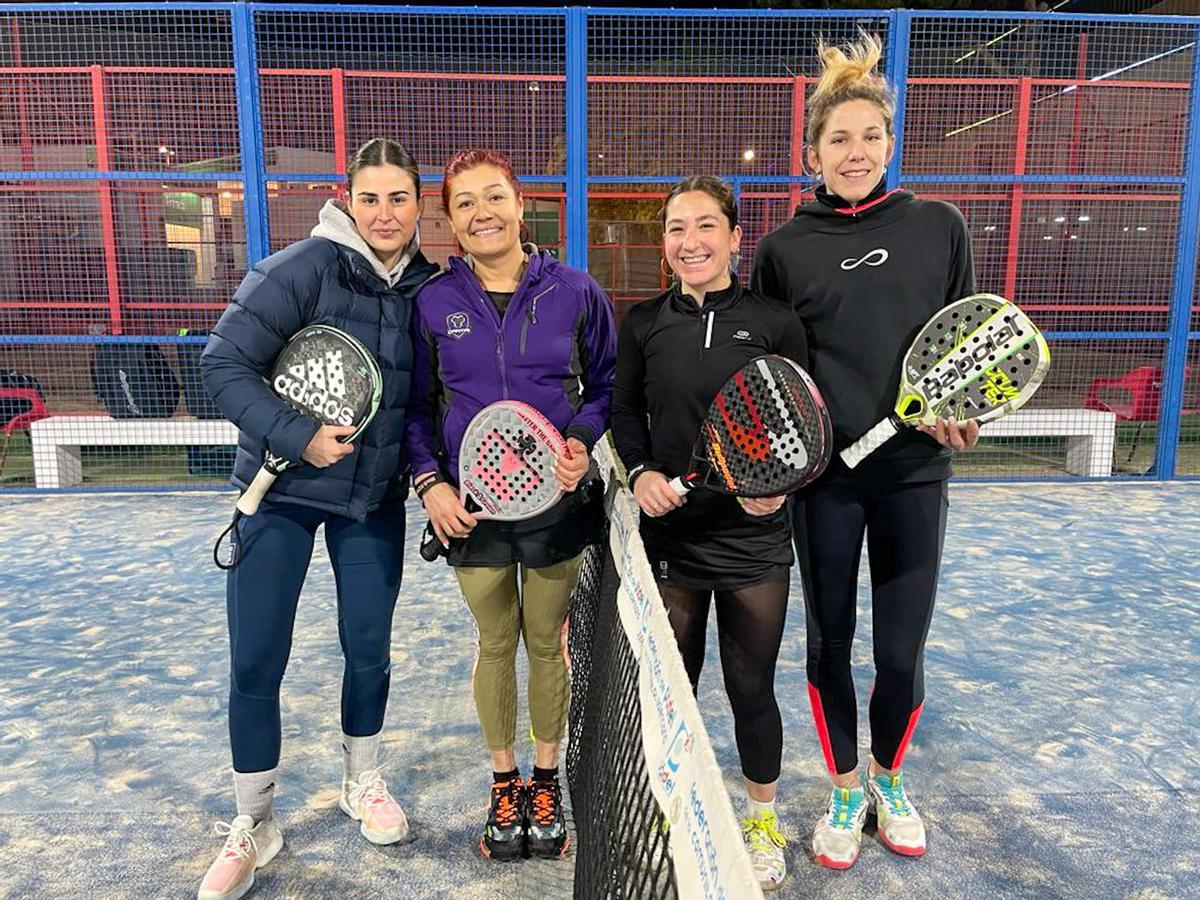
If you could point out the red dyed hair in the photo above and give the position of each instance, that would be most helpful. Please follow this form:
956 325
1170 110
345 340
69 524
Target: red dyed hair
469 159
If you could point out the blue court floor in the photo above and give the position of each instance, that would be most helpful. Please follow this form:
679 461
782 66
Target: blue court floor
1053 758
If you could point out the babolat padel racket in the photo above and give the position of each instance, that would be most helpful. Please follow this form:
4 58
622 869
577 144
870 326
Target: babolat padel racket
324 373
506 466
766 433
978 358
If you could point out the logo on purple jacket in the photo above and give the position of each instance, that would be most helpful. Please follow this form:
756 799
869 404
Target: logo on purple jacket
458 324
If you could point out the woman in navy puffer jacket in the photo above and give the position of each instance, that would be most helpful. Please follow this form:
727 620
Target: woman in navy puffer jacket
358 272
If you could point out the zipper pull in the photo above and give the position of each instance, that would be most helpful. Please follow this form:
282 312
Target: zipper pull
708 331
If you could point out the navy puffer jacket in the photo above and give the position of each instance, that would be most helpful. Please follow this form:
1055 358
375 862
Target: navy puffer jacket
316 282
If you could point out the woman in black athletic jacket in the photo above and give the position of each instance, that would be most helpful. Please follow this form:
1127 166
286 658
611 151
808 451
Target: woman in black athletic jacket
673 354
864 268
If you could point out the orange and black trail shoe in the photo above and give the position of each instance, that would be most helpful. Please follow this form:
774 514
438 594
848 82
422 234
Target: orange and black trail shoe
504 835
547 826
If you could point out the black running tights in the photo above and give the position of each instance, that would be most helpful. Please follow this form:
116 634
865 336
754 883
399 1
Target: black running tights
750 628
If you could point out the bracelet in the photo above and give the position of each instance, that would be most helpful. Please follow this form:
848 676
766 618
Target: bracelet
424 482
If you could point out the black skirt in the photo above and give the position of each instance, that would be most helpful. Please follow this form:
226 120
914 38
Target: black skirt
711 543
558 534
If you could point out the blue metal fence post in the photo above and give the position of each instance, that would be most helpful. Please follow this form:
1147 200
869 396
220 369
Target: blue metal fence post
1175 360
897 73
577 142
245 67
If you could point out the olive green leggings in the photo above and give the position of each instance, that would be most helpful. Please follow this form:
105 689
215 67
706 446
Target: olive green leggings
492 596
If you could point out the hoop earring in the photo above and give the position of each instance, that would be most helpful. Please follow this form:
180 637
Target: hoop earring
735 262
804 163
665 268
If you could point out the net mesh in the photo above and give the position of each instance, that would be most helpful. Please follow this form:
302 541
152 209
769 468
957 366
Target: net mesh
652 817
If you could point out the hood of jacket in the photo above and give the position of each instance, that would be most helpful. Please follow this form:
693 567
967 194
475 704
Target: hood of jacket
336 224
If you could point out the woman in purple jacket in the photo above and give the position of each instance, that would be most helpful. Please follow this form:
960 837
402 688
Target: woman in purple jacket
509 322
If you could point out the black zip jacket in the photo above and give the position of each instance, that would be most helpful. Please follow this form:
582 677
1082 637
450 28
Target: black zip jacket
672 358
864 280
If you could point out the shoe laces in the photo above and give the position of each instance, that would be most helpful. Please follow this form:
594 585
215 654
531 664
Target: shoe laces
239 840
892 789
761 832
842 808
506 802
546 800
369 788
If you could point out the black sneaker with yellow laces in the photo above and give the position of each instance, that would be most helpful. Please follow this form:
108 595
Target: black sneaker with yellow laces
547 826
504 834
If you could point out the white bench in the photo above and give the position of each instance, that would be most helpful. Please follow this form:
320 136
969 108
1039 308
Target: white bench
1091 435
57 439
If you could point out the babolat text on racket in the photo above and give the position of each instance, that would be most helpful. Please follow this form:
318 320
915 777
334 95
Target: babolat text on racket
506 466
978 358
766 433
324 373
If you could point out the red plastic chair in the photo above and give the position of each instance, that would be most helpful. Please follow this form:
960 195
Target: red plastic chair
21 421
1132 397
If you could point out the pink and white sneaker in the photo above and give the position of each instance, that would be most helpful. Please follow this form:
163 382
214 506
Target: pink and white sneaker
367 801
247 847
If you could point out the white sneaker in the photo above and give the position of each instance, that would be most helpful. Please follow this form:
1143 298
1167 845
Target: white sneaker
247 847
765 844
367 801
837 837
899 826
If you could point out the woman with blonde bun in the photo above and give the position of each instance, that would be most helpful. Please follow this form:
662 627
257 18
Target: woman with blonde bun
864 267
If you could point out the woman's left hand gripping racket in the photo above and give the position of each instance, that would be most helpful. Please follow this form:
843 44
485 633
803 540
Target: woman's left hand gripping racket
505 467
323 373
767 433
977 358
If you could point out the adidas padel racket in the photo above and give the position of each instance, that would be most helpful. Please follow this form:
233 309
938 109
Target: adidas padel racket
766 433
323 373
978 358
505 466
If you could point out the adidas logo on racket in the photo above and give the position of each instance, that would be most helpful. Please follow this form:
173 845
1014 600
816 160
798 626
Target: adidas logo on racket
318 386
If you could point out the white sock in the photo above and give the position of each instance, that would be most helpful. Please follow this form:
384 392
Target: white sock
359 754
255 792
756 808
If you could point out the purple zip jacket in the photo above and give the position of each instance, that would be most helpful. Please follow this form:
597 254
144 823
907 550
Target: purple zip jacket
555 349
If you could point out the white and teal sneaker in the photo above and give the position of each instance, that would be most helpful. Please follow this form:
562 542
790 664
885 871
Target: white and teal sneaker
898 825
838 835
765 843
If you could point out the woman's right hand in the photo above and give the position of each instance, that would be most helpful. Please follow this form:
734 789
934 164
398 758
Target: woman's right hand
449 517
326 448
655 495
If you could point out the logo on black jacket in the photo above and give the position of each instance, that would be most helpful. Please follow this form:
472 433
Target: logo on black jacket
741 335
458 324
876 257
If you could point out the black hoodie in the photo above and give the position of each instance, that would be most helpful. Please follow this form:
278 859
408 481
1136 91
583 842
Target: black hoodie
864 279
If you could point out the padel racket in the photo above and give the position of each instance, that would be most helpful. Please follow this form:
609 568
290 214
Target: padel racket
505 466
324 373
766 433
978 358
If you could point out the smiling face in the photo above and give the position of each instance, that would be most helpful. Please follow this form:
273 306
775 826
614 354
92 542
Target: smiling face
853 149
698 242
385 207
485 212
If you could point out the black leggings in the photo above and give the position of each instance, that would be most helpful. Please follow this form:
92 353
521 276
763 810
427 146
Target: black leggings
905 526
750 628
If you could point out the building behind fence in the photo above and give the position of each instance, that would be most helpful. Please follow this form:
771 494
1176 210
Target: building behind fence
149 153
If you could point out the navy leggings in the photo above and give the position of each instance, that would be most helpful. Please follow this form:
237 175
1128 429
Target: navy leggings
905 526
261 597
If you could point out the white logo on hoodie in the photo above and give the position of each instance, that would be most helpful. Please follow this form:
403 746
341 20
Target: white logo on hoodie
876 257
